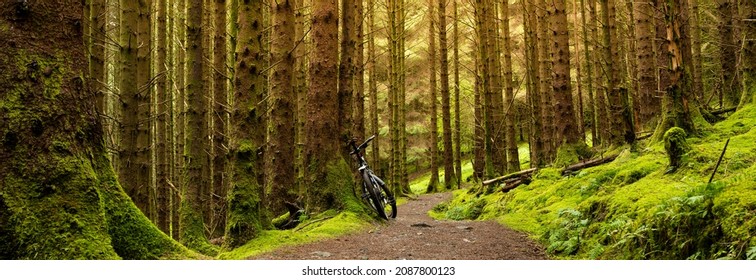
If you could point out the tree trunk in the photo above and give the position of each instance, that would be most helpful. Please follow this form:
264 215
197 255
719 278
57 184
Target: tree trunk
644 36
566 127
676 110
545 88
748 18
192 220
70 170
445 98
479 152
220 120
329 180
530 26
346 74
162 152
513 157
601 114
373 88
280 172
246 215
359 81
727 52
695 28
97 43
143 154
433 182
300 89
621 127
457 113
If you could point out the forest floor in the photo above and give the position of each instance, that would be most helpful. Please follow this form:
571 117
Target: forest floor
415 235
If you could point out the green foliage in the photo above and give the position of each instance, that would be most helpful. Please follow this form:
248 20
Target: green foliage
676 146
565 238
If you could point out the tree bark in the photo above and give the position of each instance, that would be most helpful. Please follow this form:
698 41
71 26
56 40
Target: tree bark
748 18
162 104
280 172
513 157
220 120
644 36
359 81
246 215
566 128
457 113
445 98
530 26
329 180
545 79
727 52
433 182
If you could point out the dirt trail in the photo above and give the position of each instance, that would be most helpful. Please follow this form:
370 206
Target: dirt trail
414 235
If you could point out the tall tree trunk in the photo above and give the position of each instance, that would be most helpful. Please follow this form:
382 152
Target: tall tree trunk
359 81
220 120
373 88
433 182
530 26
445 98
86 214
280 154
162 151
143 155
346 73
727 51
676 111
178 179
566 128
601 115
192 219
97 43
479 152
644 36
329 179
246 214
748 18
621 130
498 155
457 113
300 89
403 104
580 114
130 101
513 157
545 79
695 36
589 70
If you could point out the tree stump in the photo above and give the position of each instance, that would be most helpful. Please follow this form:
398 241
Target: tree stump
676 146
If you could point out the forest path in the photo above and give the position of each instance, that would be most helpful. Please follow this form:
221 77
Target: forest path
415 235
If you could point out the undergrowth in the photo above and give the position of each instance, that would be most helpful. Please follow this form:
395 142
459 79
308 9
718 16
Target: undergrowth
631 209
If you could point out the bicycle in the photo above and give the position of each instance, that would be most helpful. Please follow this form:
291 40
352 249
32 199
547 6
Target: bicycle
374 190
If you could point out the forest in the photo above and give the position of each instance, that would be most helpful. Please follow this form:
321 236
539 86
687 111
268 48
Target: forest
220 129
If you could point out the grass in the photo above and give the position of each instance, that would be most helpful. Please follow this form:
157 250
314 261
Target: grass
631 209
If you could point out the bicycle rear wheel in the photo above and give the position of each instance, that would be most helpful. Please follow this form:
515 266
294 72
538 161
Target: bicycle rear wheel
389 202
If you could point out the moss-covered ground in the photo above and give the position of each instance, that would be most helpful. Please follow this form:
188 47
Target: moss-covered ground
631 209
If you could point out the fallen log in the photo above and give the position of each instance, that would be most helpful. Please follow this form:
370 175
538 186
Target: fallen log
641 136
722 111
510 185
509 176
586 164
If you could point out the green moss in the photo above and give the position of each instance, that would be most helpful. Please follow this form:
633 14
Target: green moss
339 224
676 146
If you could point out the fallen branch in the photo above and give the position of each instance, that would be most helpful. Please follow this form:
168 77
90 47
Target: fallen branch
510 185
586 164
719 161
644 135
509 176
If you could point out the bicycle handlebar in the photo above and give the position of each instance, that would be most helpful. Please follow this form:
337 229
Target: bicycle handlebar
356 149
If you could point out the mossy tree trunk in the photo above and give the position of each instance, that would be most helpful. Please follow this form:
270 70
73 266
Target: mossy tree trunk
479 152
141 166
329 180
589 71
180 115
97 43
220 120
513 157
193 217
63 201
445 98
246 216
676 110
300 87
433 182
280 155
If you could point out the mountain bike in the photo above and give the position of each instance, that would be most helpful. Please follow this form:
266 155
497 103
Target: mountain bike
374 190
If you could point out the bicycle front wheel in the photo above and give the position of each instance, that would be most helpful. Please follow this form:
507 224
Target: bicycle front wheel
375 196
